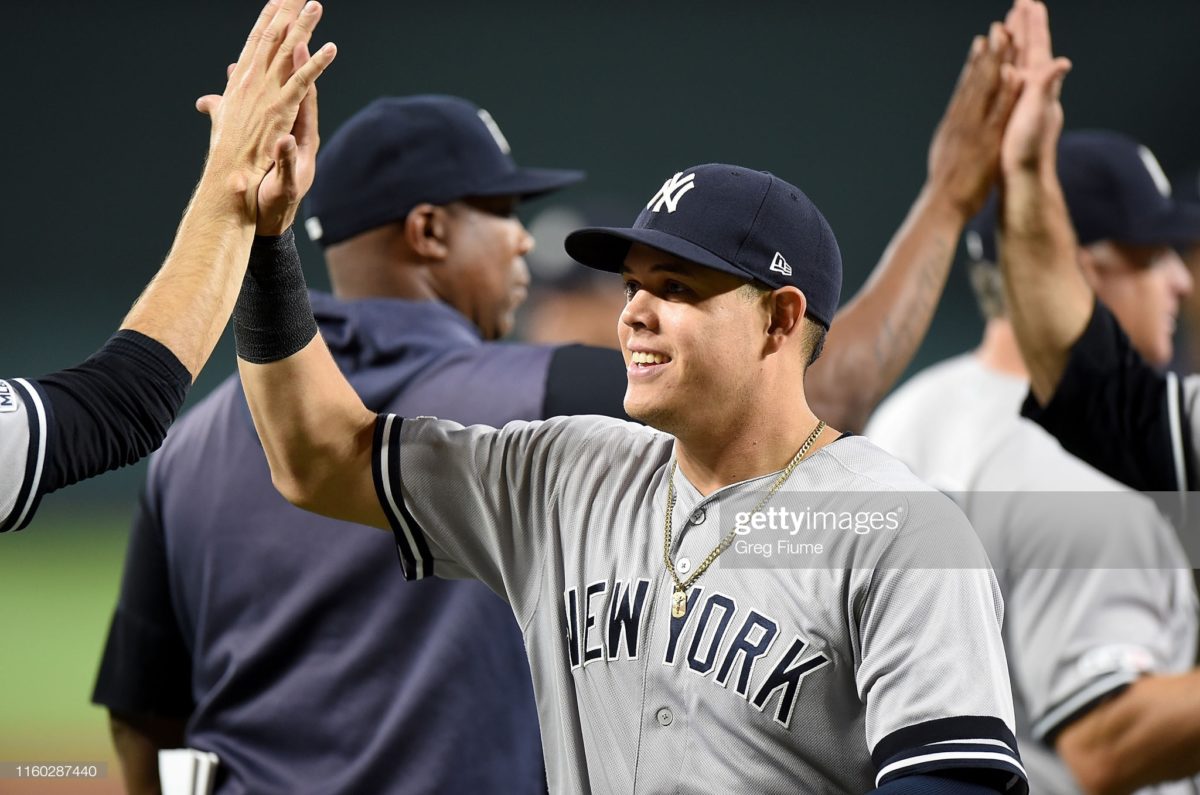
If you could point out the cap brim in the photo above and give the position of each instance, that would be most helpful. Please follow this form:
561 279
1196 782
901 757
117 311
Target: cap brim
605 248
1180 226
529 183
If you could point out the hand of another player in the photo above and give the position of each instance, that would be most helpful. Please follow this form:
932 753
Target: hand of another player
965 153
285 185
265 121
1031 138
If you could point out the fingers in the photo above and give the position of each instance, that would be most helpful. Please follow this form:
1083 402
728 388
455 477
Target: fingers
208 104
272 36
306 127
1006 97
306 76
298 35
979 81
229 71
264 19
1038 31
285 164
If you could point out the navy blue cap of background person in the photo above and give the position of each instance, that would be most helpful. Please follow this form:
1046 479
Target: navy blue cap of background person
731 219
1115 190
399 152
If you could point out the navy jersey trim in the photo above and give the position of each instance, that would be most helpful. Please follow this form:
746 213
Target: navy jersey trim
978 743
416 560
35 460
1079 703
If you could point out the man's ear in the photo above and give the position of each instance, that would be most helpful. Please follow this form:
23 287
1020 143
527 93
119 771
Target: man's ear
426 231
787 306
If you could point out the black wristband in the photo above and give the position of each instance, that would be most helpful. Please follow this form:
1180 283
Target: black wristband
273 318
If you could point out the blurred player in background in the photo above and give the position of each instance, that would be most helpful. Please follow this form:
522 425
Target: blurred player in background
342 677
1097 589
115 407
1088 384
568 303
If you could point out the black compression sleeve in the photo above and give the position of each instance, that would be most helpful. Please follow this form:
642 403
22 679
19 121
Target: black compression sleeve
1111 409
585 380
113 409
273 318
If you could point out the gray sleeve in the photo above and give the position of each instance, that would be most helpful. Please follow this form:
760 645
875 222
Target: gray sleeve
931 667
24 419
1093 603
476 502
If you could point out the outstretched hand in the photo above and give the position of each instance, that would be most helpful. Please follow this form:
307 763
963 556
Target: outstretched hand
264 127
964 156
1031 138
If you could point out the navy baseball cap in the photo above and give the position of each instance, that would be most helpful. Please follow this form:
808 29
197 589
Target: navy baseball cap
731 219
1115 190
399 152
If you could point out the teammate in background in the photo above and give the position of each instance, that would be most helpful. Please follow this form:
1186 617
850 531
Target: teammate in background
413 344
414 205
115 407
1088 385
1097 590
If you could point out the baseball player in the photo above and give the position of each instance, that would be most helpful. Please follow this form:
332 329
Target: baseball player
396 208
114 408
1101 608
1088 385
653 668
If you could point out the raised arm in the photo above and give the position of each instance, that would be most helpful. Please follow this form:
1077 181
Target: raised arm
115 407
874 336
1049 302
187 304
317 434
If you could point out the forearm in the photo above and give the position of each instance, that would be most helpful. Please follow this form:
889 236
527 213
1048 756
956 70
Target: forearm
316 432
137 740
874 336
1048 300
112 410
1148 734
187 304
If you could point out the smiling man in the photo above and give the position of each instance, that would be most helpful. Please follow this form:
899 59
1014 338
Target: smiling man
653 669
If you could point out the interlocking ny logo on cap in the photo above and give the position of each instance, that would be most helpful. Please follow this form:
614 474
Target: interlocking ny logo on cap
671 192
780 265
494 129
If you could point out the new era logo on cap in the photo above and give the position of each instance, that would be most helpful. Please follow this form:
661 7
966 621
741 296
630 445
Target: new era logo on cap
780 265
671 192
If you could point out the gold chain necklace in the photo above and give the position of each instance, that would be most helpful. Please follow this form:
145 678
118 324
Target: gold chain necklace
679 596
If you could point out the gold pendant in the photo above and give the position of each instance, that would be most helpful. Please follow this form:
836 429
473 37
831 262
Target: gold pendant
678 603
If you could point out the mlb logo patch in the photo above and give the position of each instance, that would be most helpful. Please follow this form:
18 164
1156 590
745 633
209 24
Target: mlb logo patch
8 399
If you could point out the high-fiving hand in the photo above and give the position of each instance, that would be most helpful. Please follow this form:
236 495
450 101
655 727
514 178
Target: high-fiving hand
264 126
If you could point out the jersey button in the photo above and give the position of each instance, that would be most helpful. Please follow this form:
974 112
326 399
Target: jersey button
698 516
683 566
664 717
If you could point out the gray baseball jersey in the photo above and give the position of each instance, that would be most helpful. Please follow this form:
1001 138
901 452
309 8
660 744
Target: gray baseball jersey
23 422
1097 587
824 678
